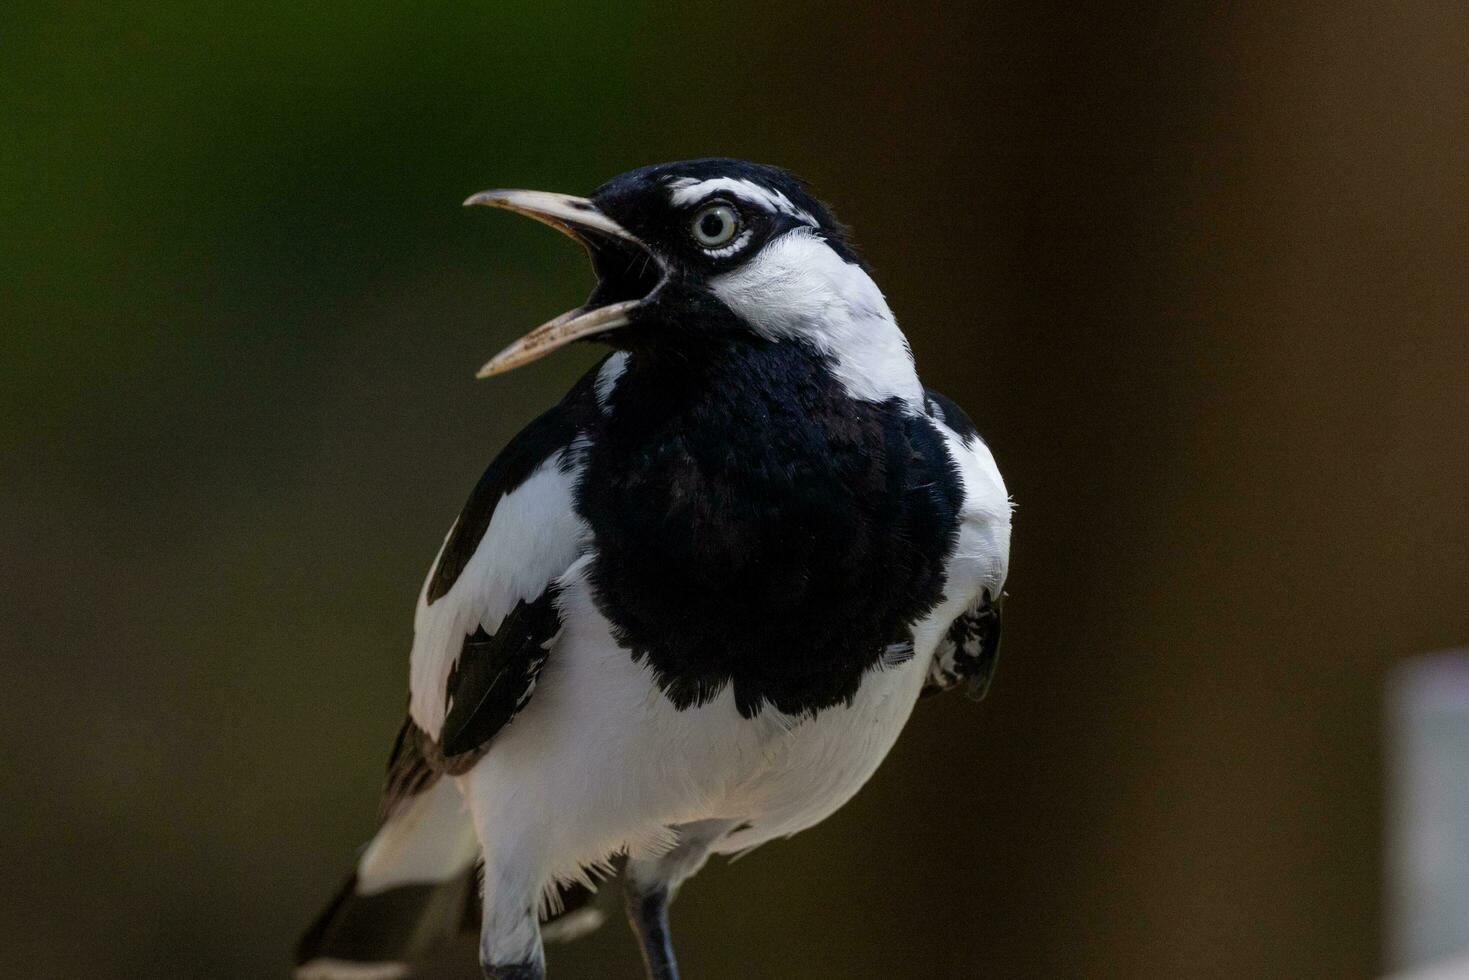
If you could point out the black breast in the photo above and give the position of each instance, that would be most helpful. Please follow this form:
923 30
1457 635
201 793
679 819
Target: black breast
756 527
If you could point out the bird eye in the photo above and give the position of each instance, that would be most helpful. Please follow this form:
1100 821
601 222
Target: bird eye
715 225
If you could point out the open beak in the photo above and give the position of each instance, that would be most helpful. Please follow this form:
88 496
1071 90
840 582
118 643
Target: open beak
628 273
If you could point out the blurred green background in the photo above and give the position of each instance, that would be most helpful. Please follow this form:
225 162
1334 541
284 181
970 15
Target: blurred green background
1198 274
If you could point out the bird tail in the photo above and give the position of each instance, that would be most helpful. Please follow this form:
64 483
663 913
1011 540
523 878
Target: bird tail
412 891
415 887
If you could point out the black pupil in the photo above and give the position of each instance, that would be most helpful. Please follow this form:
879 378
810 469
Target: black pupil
712 224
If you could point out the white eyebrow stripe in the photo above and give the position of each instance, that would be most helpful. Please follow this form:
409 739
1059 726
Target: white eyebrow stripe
687 190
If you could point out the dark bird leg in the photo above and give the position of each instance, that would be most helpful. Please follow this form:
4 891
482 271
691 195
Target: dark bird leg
649 884
647 910
514 971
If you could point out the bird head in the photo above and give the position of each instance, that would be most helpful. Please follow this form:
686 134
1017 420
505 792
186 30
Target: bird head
683 251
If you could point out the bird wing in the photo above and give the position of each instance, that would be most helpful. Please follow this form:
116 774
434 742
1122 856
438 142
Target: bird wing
969 649
487 614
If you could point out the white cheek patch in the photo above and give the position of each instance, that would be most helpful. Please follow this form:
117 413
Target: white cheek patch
798 288
687 190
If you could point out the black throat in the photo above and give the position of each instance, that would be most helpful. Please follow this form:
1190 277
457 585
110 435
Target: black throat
757 527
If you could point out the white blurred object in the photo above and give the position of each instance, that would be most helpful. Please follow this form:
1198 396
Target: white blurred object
1455 969
1428 818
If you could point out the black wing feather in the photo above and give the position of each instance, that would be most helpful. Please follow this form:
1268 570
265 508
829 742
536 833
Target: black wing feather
495 674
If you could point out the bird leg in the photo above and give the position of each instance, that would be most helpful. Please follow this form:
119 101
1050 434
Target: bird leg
649 883
647 910
514 971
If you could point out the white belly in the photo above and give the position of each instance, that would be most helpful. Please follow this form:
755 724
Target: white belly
816 765
600 759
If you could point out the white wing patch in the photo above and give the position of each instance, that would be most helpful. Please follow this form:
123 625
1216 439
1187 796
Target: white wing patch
533 536
983 549
977 569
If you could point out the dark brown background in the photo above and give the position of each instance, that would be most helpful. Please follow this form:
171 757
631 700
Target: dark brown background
1196 270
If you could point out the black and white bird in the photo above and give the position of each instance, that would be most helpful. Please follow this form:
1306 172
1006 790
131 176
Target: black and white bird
687 610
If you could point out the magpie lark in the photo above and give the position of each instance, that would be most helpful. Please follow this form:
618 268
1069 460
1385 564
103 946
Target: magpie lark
687 610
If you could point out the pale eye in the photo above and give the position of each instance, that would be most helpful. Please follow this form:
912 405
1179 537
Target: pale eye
715 225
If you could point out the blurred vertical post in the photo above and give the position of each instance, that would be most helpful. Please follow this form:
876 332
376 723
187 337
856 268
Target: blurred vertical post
1428 810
